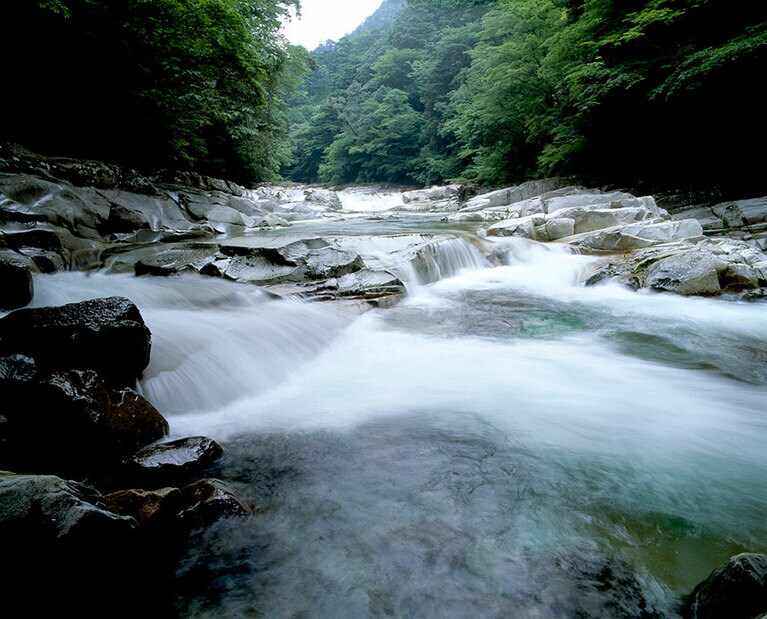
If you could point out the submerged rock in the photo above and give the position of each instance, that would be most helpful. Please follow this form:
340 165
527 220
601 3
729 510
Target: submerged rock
105 335
736 590
208 500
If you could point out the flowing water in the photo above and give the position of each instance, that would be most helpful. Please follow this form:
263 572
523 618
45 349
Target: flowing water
504 443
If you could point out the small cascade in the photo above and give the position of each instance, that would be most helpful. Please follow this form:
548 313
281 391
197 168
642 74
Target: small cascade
213 342
445 258
539 266
369 200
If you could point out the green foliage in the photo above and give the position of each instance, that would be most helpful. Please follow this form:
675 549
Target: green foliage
179 83
376 101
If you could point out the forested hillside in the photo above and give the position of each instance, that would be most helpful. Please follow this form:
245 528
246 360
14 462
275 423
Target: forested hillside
650 93
653 92
185 84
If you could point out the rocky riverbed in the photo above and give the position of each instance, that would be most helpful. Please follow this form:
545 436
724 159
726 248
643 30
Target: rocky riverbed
91 479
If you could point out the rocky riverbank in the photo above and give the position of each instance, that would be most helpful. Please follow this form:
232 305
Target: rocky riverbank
91 486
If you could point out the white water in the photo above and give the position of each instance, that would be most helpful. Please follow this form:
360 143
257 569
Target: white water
368 200
450 456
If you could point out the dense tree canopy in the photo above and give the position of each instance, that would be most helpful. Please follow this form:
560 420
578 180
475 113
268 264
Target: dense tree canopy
178 83
622 91
657 92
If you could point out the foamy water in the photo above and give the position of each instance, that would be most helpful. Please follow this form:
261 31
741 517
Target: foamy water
458 454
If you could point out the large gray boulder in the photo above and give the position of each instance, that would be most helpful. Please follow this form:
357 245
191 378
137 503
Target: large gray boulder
686 274
639 235
736 590
105 335
518 193
696 266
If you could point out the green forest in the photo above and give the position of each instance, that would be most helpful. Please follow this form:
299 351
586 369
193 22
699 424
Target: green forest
656 93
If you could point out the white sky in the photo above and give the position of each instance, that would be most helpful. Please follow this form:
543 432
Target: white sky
327 19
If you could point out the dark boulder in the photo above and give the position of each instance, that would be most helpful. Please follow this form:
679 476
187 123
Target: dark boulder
736 590
70 422
172 463
208 500
105 335
64 553
16 287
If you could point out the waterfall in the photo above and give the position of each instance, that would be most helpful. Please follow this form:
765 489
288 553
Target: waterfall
213 341
445 258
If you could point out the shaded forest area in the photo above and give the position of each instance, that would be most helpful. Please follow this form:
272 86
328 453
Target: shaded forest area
181 84
644 93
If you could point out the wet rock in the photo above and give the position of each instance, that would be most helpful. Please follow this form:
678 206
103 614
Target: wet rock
193 258
368 284
208 500
16 285
105 335
149 508
51 508
332 262
173 462
736 590
26 198
63 553
70 422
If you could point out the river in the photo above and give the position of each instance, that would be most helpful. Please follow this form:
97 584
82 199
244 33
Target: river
505 442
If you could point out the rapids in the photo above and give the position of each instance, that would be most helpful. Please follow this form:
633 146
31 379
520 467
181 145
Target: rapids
483 449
